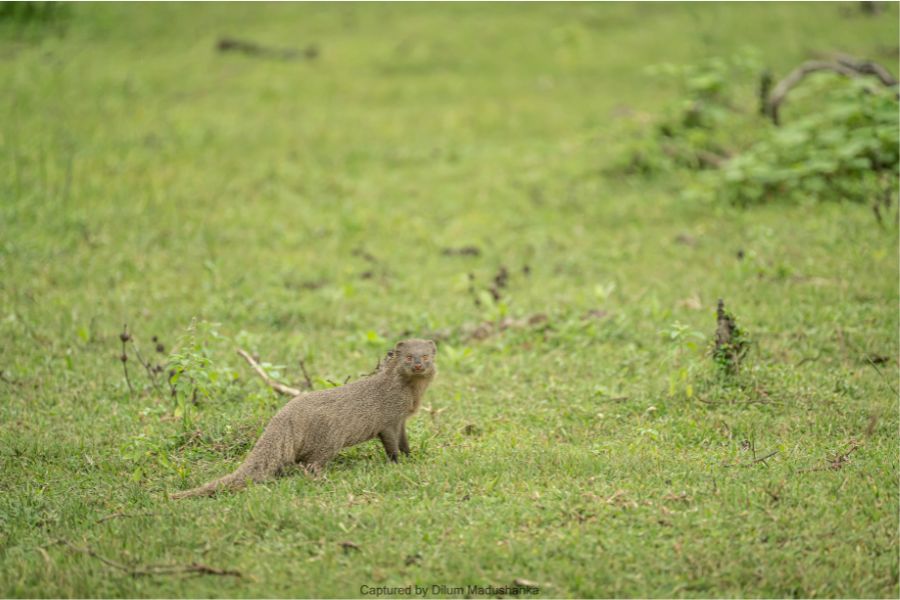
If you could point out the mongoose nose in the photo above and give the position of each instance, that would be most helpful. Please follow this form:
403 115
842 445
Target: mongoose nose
418 367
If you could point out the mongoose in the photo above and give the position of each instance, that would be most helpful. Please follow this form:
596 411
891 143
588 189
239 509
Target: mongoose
312 428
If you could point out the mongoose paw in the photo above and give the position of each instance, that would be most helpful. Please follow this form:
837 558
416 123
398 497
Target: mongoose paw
313 470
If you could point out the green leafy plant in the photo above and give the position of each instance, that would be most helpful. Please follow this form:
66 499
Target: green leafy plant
840 143
193 377
844 147
682 358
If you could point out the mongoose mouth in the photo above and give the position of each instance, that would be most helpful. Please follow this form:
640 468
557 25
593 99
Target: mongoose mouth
419 371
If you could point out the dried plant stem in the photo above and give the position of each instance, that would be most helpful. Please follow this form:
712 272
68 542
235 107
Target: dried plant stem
278 387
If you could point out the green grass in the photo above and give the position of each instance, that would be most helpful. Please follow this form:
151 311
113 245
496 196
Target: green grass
146 178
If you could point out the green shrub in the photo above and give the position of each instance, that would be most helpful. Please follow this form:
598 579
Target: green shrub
841 141
844 147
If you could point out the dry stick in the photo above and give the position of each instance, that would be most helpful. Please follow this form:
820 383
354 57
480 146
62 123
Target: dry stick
278 387
309 383
198 568
762 459
845 66
878 370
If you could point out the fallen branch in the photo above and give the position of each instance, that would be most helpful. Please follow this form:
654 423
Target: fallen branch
867 67
843 65
278 387
150 570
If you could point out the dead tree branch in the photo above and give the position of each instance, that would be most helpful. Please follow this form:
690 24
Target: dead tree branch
867 67
278 387
843 65
249 48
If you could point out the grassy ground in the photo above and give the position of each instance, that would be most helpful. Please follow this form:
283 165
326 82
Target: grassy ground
305 205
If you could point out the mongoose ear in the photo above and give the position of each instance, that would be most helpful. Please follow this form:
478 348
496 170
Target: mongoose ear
400 344
433 345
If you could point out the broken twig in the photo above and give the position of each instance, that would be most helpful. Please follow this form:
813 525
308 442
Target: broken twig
309 383
278 387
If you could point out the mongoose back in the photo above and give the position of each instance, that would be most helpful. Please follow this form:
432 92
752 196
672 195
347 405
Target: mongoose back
312 428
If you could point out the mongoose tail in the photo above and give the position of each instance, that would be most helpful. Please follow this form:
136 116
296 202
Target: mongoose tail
232 481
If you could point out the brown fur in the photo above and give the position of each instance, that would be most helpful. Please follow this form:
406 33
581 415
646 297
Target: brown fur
312 428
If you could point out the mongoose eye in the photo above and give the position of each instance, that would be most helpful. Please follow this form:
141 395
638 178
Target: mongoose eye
424 357
408 357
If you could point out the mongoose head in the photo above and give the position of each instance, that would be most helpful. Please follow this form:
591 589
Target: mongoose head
415 358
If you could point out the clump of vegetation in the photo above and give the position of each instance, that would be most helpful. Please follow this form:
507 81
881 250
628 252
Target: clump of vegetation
842 144
844 147
731 343
193 377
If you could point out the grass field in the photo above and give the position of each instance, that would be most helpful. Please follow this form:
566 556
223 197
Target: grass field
305 206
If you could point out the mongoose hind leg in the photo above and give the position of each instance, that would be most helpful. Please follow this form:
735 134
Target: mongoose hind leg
391 440
314 462
314 470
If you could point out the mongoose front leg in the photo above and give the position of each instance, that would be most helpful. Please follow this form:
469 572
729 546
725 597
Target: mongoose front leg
404 444
389 437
